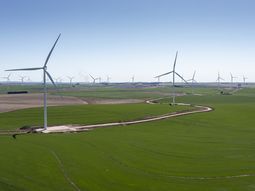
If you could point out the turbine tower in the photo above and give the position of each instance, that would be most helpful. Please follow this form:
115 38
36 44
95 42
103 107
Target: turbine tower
45 74
219 79
133 79
22 78
70 79
174 73
232 78
94 79
158 79
244 80
192 80
108 79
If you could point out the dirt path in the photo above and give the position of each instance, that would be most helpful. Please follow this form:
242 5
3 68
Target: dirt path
71 128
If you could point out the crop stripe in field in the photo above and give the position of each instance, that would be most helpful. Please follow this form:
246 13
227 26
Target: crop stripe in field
156 175
61 166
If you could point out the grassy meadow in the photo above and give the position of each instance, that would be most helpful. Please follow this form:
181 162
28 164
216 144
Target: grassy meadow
208 151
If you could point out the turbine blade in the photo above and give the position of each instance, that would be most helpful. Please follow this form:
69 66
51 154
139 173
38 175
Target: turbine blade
21 69
181 77
194 75
92 77
163 74
175 61
48 57
49 76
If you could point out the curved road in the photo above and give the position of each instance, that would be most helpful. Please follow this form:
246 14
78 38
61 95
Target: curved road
70 128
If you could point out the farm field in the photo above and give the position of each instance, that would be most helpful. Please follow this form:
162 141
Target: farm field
207 151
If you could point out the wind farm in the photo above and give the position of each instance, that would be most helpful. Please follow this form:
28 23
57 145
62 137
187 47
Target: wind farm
130 97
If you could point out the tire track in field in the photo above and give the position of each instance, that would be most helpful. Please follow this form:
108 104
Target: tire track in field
61 166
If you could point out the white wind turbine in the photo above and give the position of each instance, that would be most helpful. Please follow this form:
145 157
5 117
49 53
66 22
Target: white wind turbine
108 79
219 79
232 78
22 78
133 79
158 79
174 73
7 77
94 79
45 74
192 80
70 79
244 79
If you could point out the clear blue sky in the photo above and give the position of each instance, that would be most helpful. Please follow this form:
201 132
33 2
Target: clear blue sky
122 38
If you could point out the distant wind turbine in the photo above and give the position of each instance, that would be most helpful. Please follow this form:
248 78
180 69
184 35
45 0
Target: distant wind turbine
58 80
158 79
133 79
108 79
94 79
70 79
45 74
192 80
232 78
244 80
219 79
174 73
22 78
7 77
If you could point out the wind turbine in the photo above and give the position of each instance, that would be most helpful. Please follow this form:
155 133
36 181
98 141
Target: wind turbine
174 73
192 80
219 79
108 79
45 74
7 77
158 79
59 79
232 78
70 79
22 78
133 79
94 79
244 79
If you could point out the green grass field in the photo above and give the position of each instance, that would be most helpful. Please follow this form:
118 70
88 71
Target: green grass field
84 114
206 151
